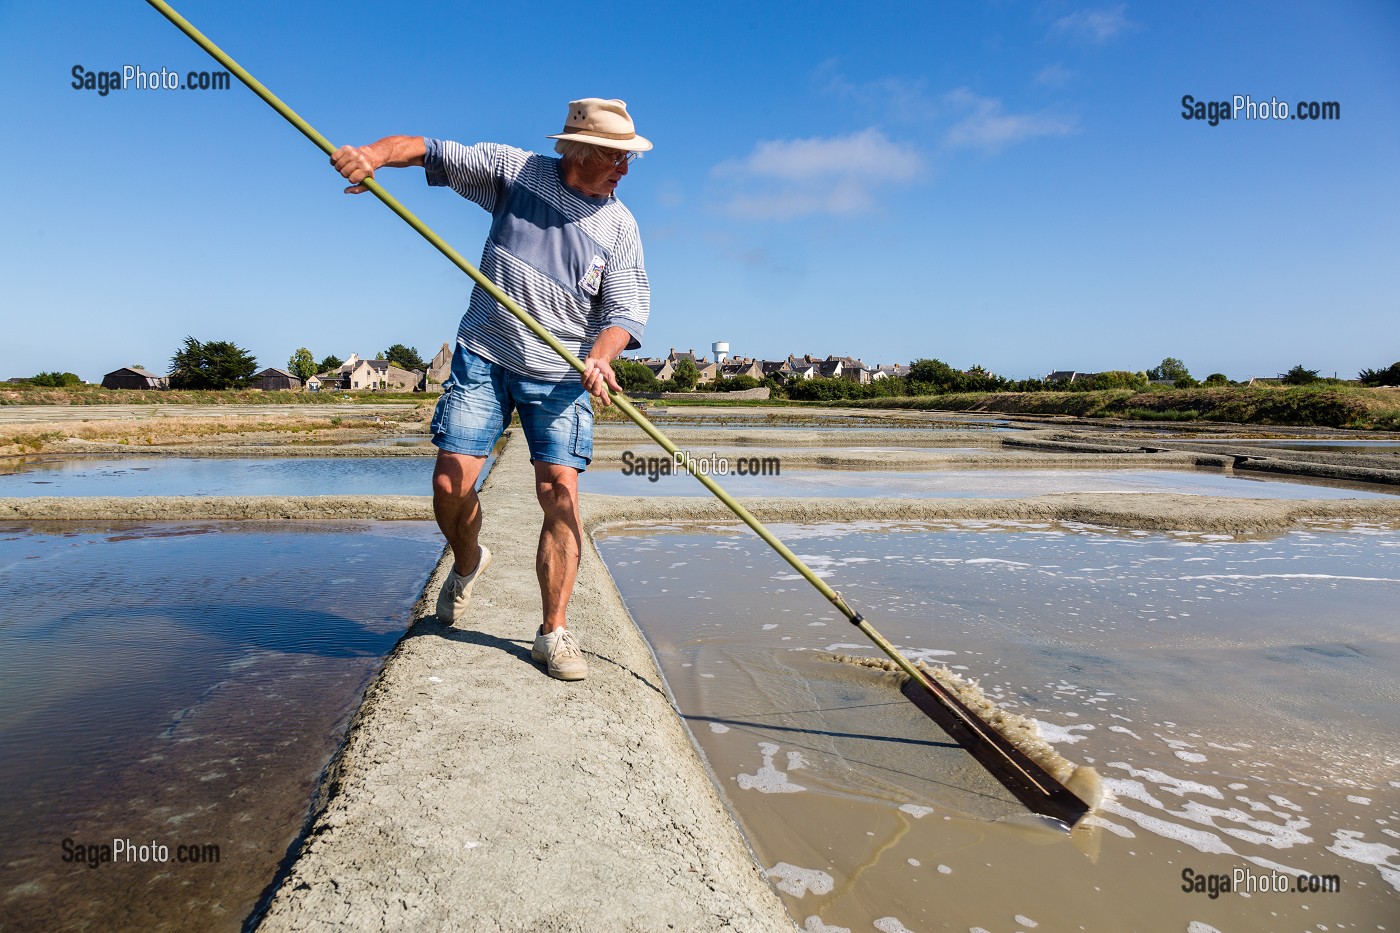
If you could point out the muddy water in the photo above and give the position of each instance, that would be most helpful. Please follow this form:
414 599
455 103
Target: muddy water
1241 699
182 685
965 483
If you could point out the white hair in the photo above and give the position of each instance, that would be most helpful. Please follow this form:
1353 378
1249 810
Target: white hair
584 152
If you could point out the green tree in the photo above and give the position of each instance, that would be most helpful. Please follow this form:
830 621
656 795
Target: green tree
935 375
217 364
56 380
1217 379
302 364
687 374
1368 377
634 377
404 357
1170 369
329 363
1298 376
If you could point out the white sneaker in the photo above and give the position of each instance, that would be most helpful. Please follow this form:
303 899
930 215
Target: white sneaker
561 652
456 592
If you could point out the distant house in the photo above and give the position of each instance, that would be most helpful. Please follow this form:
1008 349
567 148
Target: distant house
741 366
896 371
439 369
1061 375
779 369
134 377
708 370
851 370
380 375
661 369
276 380
802 367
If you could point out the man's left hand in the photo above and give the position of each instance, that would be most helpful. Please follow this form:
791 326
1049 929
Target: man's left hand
598 377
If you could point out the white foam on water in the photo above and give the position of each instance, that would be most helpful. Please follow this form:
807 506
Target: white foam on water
916 811
1125 731
814 925
1285 803
1194 758
1347 843
768 780
798 881
915 862
1053 733
944 870
718 728
1168 783
1094 819
923 654
1289 576
770 626
1365 801
1026 921
891 925
1196 926
995 560
1198 839
795 761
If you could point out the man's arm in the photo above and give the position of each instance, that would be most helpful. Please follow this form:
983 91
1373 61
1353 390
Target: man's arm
598 375
359 163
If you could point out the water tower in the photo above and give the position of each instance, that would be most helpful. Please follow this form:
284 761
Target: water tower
721 350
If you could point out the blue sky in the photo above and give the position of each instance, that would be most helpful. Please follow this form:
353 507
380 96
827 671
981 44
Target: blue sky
999 183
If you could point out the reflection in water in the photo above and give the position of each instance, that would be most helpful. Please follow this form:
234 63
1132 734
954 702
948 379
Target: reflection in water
183 684
1238 696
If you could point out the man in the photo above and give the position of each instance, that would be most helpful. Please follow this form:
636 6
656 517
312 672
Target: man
567 251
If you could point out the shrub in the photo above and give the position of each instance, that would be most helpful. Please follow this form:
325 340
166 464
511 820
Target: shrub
635 377
1380 377
56 380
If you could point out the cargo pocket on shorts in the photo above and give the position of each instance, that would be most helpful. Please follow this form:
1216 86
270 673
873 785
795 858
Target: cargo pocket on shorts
583 428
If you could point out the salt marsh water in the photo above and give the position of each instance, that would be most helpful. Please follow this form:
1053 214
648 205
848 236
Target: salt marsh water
1240 697
972 483
182 684
187 476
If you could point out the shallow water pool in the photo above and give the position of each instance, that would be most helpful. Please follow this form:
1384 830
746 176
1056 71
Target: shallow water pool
179 684
959 483
189 476
1241 699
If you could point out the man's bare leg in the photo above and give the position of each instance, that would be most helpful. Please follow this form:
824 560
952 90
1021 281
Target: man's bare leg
556 562
457 507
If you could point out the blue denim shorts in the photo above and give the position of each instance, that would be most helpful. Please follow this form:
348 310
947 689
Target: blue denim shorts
476 405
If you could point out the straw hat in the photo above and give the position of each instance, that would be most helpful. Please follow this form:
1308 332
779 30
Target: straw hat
601 122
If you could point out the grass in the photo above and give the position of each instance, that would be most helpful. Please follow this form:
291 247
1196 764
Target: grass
96 395
1323 406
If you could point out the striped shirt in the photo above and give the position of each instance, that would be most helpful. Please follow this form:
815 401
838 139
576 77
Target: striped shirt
573 262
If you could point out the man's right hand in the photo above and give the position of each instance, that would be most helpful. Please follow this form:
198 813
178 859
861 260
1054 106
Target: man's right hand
355 164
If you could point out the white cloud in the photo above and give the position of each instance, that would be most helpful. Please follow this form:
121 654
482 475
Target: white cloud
1096 26
1052 76
904 100
989 127
787 178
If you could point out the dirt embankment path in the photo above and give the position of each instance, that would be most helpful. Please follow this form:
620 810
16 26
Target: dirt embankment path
476 793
